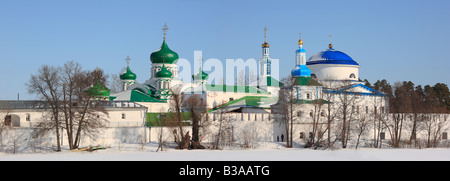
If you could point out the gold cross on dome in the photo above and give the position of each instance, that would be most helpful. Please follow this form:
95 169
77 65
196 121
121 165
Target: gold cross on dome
165 28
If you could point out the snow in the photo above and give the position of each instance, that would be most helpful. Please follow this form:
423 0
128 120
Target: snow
267 152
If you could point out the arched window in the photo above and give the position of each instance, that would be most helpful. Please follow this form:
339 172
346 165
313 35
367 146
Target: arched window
352 76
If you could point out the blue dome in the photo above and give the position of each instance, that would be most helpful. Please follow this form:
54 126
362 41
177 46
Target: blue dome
300 70
331 56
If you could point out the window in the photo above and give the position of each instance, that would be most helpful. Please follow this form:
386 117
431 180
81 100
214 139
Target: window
367 109
302 135
382 135
313 76
444 135
7 121
299 113
322 114
311 113
231 99
308 96
28 117
123 116
352 76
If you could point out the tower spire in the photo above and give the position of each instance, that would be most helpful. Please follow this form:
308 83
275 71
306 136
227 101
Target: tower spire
265 60
300 61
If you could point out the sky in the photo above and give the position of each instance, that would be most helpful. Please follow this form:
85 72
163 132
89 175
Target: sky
392 40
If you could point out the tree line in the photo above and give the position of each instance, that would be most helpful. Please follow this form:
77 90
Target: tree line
417 108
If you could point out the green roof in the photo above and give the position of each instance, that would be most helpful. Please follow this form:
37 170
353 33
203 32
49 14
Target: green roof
235 88
164 73
98 90
308 81
138 96
200 75
273 82
153 119
164 55
249 101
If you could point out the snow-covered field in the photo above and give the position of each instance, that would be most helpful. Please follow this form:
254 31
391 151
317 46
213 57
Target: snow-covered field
267 152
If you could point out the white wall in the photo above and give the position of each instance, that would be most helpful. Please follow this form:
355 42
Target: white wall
133 117
334 71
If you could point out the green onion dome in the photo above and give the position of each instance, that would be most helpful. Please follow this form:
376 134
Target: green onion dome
163 73
98 90
128 75
164 55
200 75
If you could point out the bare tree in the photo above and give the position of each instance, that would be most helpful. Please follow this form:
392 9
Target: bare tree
361 124
160 132
285 107
47 85
176 122
379 116
347 100
219 123
316 135
196 107
90 110
72 106
243 79
400 106
4 127
435 126
240 79
330 107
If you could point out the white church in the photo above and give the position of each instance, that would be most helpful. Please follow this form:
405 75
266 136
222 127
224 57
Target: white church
323 80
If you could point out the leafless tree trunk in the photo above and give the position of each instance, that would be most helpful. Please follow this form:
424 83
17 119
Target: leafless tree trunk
361 124
347 101
400 105
330 107
285 107
196 107
73 106
176 121
47 85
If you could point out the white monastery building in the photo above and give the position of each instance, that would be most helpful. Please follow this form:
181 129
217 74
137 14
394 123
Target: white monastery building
327 78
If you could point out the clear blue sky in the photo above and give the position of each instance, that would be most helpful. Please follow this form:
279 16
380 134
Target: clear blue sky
393 40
